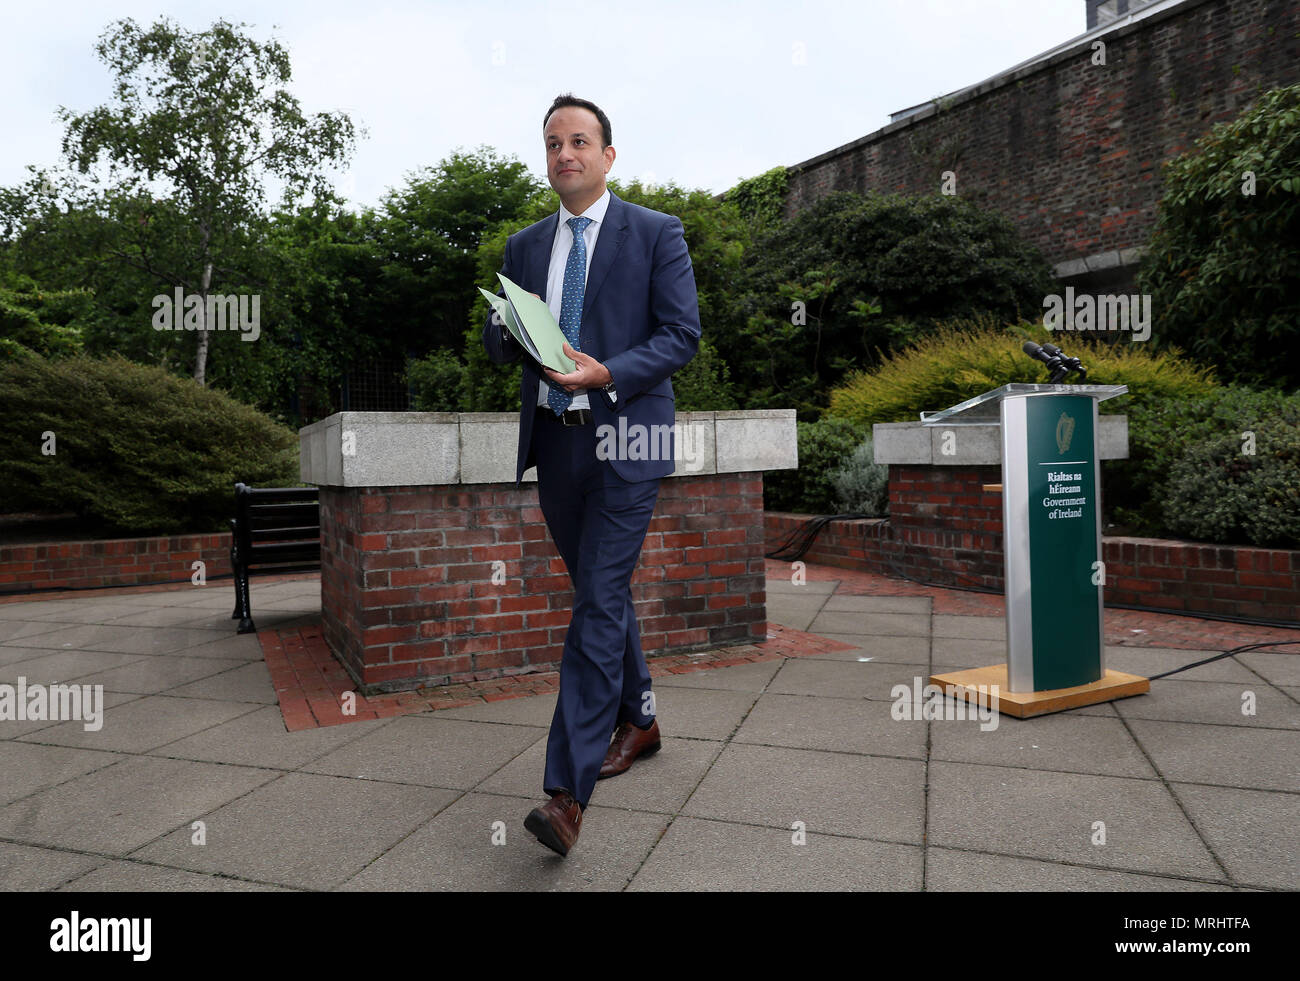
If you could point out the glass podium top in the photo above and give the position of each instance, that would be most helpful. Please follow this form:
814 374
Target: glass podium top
985 409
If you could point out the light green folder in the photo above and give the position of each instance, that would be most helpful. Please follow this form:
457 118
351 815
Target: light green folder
529 320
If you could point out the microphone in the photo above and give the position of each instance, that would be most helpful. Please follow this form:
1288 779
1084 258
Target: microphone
1047 354
1054 361
1072 364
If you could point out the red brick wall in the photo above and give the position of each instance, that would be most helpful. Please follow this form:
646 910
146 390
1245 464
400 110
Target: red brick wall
943 528
1071 151
118 562
408 600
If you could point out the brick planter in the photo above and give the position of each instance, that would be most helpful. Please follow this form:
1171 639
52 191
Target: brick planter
436 569
408 596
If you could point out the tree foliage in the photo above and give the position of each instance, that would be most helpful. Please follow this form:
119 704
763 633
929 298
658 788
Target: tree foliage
1223 267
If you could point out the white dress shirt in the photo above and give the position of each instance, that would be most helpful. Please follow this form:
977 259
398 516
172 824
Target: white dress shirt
555 275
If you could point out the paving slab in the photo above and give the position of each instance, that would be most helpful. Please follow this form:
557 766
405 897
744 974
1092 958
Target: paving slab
26 768
251 682
1148 661
15 729
128 640
714 856
143 724
428 751
1064 742
845 603
1230 756
700 713
835 793
872 624
1253 832
46 667
125 876
895 650
970 628
1215 702
535 710
119 808
969 653
302 830
26 868
949 870
844 679
843 725
11 630
741 677
1280 669
455 851
1052 817
159 673
259 738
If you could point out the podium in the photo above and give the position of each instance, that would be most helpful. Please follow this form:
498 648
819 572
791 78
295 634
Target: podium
1051 533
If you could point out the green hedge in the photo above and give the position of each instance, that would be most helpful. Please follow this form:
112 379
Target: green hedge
1220 492
1163 433
824 446
137 450
966 358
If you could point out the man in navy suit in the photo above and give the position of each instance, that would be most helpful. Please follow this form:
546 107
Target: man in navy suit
618 279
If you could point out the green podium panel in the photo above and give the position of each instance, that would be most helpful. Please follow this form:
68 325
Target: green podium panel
1051 528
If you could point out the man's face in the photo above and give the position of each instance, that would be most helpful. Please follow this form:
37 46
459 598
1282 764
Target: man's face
575 164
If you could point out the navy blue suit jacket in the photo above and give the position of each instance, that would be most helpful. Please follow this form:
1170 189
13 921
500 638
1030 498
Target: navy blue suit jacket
640 318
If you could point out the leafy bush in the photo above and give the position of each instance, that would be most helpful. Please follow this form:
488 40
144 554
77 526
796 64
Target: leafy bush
704 385
824 446
966 358
1165 431
853 275
1222 266
436 381
862 485
1218 493
136 449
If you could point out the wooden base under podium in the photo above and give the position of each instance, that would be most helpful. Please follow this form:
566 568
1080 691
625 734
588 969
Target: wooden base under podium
1024 705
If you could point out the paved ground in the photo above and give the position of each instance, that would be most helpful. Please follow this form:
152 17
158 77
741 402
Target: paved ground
788 773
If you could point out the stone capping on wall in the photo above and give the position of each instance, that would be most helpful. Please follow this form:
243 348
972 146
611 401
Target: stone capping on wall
914 443
393 449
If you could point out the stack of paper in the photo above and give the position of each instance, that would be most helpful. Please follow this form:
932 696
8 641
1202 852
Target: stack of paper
529 320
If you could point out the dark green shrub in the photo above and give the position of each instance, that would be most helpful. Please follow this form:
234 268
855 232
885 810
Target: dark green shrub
1218 493
436 382
862 485
1222 265
824 446
136 449
1164 431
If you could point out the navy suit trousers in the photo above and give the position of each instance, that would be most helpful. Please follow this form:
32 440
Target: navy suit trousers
598 521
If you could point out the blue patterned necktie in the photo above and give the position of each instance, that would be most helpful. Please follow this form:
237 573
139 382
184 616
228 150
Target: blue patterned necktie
575 285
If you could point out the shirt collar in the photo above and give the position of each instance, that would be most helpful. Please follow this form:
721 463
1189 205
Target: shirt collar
596 212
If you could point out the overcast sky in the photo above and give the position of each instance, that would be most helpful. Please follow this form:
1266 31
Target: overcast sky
702 93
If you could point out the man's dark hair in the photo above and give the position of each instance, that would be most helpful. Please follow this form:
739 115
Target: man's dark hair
569 99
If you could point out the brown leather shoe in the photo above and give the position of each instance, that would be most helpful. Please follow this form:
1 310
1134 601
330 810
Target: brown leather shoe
629 743
556 822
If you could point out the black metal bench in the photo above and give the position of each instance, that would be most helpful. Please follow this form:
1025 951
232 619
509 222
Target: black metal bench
276 530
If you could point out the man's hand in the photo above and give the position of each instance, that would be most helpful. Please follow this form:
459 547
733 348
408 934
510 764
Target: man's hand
589 372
